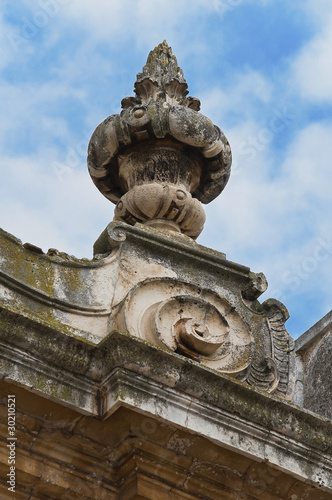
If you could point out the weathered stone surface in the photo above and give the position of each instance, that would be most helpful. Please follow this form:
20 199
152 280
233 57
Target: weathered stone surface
189 320
154 203
314 368
163 289
152 371
186 318
56 290
160 155
205 435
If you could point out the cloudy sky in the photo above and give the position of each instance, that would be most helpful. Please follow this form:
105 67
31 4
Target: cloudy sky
263 72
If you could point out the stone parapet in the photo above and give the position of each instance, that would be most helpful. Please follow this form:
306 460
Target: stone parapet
162 288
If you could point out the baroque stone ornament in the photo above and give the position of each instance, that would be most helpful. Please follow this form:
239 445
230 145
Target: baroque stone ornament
190 321
188 299
160 157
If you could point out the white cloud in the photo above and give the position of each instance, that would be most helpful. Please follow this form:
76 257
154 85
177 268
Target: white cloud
240 96
308 164
48 210
27 106
6 48
312 69
142 22
319 12
281 226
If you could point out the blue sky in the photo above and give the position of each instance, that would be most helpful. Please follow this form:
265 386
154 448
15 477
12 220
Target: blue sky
263 72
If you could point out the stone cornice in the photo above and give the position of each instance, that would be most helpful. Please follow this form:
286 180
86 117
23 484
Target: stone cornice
125 371
89 299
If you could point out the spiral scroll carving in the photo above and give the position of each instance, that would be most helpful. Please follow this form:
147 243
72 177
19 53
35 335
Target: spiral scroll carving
195 323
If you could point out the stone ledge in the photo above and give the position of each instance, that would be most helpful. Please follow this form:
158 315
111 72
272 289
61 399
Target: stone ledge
125 371
63 454
149 235
314 333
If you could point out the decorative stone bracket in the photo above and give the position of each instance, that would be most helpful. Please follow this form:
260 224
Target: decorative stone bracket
201 325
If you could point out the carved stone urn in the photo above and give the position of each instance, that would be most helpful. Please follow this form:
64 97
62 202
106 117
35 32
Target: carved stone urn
160 157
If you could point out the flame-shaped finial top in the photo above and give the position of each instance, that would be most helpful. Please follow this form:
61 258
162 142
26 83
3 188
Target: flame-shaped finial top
162 67
162 79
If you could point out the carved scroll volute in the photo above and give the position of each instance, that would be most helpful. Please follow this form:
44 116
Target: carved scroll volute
282 346
191 326
195 323
194 337
202 326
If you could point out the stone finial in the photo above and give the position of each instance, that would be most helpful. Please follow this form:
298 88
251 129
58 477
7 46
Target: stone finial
162 79
162 67
160 157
